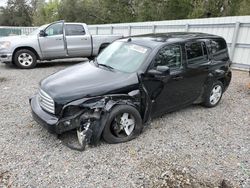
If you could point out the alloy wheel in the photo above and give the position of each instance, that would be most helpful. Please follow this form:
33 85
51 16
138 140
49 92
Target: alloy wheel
123 125
215 94
25 59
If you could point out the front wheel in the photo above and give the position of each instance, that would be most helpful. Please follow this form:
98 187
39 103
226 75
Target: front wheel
213 94
25 59
123 124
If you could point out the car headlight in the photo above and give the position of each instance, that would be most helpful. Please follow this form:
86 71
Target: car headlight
4 45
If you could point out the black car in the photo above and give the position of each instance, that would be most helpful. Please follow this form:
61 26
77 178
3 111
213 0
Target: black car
131 81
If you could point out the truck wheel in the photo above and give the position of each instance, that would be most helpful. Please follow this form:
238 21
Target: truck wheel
213 94
25 59
123 124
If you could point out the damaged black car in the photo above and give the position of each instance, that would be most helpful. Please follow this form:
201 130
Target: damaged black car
133 80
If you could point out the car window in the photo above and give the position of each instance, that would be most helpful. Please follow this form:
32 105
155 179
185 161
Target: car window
73 29
169 56
123 56
196 52
218 49
54 29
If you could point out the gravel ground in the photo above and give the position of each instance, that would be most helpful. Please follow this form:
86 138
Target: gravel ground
193 147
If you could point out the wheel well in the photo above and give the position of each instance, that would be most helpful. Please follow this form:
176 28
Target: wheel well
26 48
226 80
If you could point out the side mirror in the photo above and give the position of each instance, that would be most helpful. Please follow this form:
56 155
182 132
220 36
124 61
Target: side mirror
42 33
160 71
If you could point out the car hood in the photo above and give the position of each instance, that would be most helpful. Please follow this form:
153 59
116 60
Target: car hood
87 80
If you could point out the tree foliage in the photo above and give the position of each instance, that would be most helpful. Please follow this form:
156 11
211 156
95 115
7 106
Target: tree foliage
38 12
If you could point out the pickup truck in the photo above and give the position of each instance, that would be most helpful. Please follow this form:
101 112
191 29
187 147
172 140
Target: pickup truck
57 40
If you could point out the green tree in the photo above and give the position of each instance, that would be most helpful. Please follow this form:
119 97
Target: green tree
244 8
164 10
16 13
46 12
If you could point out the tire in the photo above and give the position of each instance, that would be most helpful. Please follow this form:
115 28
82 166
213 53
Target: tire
25 59
110 132
213 94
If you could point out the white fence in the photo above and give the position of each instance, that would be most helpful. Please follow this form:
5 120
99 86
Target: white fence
236 31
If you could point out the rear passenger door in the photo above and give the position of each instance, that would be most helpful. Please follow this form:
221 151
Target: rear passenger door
78 43
197 66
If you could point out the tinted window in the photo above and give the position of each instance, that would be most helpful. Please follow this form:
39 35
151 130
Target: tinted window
54 29
196 52
219 49
74 30
169 56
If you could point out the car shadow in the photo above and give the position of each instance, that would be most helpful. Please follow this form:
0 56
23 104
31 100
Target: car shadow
49 64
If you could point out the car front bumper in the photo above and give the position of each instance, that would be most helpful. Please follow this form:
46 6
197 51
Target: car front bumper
5 57
51 122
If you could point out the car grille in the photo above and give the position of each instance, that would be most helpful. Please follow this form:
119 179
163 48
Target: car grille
46 102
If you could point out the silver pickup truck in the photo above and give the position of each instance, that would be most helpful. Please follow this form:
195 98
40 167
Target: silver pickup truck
53 41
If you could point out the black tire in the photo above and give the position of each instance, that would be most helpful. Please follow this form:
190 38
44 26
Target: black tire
208 93
108 134
28 63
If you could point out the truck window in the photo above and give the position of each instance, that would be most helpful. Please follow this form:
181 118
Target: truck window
169 56
219 49
73 29
54 29
196 53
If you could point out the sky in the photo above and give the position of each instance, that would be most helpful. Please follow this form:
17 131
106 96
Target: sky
3 2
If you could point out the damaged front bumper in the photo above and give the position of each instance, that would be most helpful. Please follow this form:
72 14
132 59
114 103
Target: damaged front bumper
51 122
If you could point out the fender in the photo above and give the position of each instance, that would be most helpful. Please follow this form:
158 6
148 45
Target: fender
212 76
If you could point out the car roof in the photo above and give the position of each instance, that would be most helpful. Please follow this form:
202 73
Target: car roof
158 39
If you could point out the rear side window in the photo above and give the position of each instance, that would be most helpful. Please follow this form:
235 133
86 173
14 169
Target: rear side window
73 30
218 49
196 52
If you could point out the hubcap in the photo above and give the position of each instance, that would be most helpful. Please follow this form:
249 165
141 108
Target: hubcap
215 94
25 59
123 125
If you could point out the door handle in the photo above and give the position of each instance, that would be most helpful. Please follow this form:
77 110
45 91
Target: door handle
177 78
59 39
84 39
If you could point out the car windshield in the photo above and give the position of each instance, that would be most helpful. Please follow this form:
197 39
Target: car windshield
123 56
37 30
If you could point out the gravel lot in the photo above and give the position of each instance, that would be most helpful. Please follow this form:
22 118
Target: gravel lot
193 147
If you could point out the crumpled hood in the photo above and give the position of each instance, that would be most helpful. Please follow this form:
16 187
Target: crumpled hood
87 80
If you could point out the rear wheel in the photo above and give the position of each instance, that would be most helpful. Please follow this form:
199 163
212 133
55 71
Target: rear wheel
25 59
213 94
124 124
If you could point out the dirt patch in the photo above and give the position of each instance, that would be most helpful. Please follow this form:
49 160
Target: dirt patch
5 179
160 173
3 79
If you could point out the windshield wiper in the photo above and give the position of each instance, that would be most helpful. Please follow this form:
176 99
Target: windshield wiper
107 66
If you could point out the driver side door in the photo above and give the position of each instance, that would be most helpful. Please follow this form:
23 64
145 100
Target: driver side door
52 44
167 92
